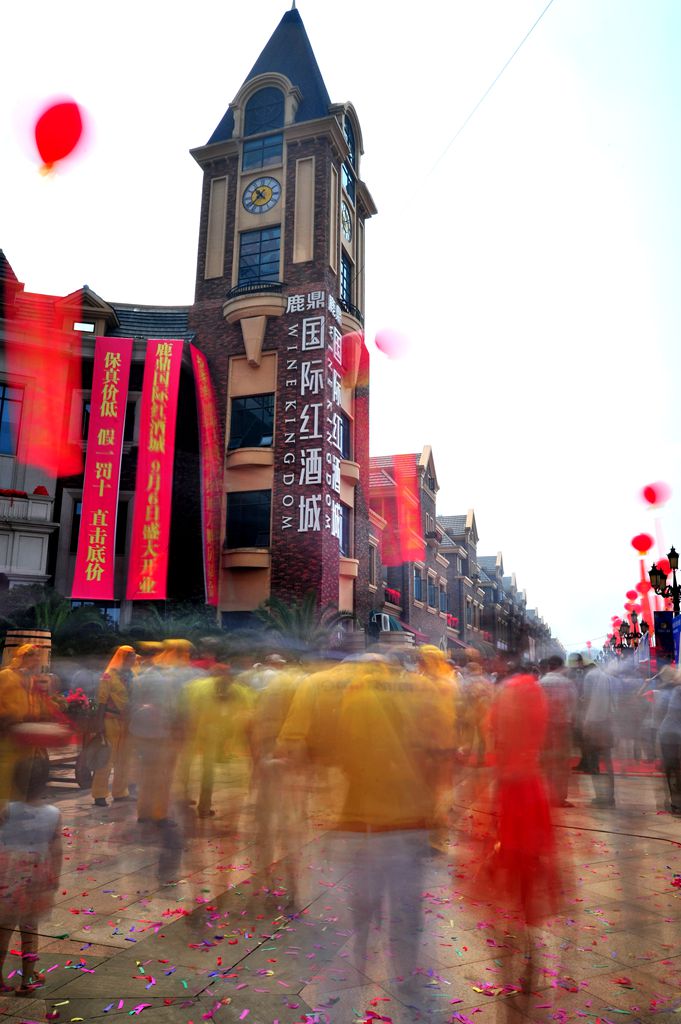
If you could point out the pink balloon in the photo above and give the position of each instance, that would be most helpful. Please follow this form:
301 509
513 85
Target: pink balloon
392 343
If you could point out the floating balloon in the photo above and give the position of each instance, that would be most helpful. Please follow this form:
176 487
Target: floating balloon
632 594
58 131
643 542
657 493
392 343
643 587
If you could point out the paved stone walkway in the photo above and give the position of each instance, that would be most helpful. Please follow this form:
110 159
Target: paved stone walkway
215 946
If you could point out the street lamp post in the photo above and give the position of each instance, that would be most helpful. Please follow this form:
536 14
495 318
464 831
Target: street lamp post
658 580
633 636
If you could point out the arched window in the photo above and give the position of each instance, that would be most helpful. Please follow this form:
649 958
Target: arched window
349 167
264 111
350 139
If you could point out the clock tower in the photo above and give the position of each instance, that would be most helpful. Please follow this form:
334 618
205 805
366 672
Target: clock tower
279 312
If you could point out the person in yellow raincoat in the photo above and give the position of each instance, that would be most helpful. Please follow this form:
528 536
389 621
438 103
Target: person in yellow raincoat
113 700
217 711
393 732
21 700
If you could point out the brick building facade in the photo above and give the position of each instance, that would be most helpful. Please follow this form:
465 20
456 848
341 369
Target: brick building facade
278 311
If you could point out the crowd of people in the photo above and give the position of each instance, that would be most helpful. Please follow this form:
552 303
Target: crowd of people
377 749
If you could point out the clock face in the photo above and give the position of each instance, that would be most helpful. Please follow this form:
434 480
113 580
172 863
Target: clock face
261 195
346 222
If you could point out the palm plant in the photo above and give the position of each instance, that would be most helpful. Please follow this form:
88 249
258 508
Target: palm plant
182 619
302 623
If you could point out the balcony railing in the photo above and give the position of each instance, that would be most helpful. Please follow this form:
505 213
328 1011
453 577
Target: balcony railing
255 288
352 310
29 509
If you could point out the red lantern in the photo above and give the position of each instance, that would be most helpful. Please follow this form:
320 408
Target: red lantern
632 594
643 542
629 606
656 494
588 644
643 587
58 131
664 566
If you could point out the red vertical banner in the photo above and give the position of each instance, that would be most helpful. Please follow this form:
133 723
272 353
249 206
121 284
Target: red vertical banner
148 568
403 539
211 473
95 558
47 358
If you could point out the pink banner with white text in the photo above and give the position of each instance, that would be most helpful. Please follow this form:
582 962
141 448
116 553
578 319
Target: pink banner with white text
148 567
96 553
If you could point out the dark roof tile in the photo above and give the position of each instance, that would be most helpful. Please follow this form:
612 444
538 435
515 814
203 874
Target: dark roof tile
152 322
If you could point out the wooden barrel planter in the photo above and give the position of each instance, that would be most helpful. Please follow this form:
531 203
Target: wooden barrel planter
16 638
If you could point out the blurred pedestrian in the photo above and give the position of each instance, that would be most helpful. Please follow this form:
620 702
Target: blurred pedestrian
561 701
670 738
22 700
113 723
30 863
157 727
598 733
522 874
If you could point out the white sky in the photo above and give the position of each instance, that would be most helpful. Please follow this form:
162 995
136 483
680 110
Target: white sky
534 267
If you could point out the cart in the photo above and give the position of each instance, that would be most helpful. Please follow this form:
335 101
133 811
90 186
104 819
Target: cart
69 764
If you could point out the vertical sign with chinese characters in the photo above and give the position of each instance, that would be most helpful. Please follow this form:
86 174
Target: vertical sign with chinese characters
211 473
312 421
95 558
148 569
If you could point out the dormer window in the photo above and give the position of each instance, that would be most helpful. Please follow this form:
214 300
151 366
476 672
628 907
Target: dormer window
264 111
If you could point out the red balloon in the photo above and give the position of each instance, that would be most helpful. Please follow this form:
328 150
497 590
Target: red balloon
632 594
643 542
657 493
58 131
643 587
663 564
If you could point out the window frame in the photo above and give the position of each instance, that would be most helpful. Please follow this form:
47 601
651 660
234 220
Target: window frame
237 498
417 577
251 110
260 278
345 278
345 539
262 143
232 446
13 430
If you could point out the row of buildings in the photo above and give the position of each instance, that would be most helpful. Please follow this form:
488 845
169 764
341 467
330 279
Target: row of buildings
236 465
446 593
